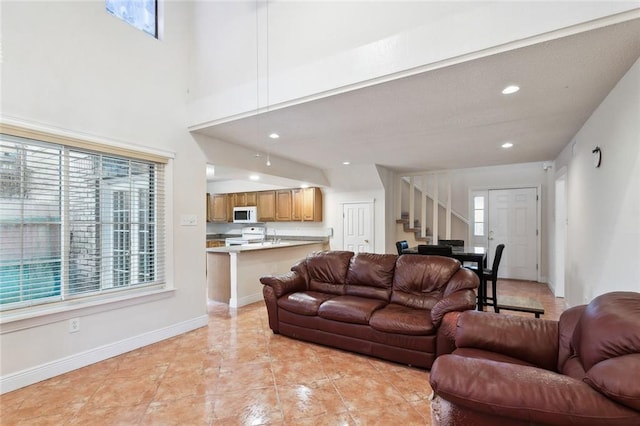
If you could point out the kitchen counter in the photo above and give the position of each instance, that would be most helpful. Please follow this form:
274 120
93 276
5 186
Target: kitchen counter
262 246
233 272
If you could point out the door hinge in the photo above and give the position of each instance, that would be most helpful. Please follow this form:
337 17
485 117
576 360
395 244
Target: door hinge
536 266
536 232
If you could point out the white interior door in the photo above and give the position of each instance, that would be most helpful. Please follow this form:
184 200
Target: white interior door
357 227
513 221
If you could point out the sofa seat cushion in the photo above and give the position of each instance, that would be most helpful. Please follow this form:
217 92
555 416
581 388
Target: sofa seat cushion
304 302
401 319
351 309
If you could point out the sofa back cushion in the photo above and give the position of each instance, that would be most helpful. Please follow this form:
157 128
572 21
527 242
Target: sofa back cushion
607 342
327 270
419 281
371 275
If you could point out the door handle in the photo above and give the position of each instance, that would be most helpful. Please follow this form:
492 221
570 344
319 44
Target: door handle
366 241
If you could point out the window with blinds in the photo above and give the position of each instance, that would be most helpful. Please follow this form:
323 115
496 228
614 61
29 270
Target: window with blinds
77 222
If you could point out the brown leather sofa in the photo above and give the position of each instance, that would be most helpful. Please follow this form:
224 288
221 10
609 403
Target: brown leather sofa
581 370
383 305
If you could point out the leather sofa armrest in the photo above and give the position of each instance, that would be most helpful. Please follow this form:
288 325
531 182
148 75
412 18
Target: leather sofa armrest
521 392
284 283
446 336
463 300
529 339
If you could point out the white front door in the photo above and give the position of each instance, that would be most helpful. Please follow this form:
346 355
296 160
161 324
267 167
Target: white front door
357 227
513 221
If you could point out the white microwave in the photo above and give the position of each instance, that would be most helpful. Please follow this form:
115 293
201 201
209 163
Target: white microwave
245 214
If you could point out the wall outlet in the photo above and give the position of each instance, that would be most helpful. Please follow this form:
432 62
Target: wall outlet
74 325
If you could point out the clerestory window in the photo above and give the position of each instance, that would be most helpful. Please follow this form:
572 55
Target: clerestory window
77 223
142 14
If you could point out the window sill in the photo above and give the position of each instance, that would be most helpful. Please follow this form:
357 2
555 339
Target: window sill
47 314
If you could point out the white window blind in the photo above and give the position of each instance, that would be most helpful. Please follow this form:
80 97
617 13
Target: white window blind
77 222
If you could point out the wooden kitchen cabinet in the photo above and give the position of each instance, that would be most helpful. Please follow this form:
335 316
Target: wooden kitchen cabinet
306 204
266 202
230 206
252 198
312 205
283 205
244 199
240 199
218 208
296 204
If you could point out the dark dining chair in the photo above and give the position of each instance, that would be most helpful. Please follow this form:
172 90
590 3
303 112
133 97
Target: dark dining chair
452 243
492 275
401 245
435 250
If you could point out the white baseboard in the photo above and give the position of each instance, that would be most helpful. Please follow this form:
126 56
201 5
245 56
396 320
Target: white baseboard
246 300
54 368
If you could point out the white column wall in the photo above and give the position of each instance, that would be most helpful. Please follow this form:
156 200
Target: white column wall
72 66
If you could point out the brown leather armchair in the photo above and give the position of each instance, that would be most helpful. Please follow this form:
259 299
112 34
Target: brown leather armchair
581 370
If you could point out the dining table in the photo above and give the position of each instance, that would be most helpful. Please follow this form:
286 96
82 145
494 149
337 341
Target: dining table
471 254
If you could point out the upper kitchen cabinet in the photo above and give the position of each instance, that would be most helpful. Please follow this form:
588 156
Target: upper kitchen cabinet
283 205
296 204
244 199
217 211
312 205
301 205
307 205
209 208
266 202
251 198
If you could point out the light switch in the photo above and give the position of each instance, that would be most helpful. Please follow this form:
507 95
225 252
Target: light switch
188 220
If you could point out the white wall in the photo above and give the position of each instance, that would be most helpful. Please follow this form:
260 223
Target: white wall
71 66
372 40
603 236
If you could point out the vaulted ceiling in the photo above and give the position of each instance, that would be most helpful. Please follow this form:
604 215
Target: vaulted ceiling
455 116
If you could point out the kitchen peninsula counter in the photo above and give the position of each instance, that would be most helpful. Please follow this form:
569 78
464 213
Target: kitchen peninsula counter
263 246
233 272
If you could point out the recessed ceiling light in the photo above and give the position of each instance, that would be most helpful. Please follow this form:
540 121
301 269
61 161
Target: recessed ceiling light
274 135
510 89
346 163
507 145
254 177
304 185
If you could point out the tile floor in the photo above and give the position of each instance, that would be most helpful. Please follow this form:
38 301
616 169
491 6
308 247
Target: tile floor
237 372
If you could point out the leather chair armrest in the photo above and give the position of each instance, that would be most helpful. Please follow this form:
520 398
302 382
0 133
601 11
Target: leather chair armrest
521 392
529 339
463 279
285 283
459 301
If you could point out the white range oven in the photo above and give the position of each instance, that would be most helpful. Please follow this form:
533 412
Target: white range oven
250 234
